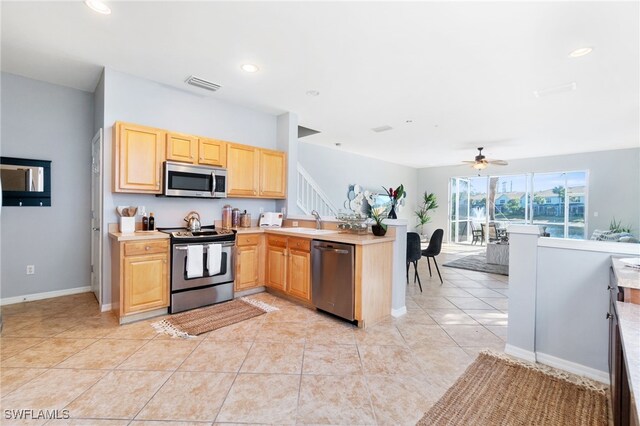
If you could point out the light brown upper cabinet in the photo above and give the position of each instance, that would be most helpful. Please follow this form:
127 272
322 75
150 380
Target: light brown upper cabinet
273 174
255 172
212 152
181 147
243 170
138 155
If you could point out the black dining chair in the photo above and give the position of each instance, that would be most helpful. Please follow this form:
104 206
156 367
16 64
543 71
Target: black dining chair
435 245
414 254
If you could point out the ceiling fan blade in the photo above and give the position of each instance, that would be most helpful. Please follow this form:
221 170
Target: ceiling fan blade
498 162
469 162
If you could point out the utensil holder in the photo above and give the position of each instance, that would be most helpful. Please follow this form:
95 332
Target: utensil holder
128 225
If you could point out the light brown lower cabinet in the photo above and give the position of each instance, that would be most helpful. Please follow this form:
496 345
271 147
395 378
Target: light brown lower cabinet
140 279
249 261
289 266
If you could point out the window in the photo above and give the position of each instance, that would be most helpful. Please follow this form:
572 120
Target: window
555 201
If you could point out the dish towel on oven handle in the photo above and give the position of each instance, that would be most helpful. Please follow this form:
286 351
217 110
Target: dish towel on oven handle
214 258
194 261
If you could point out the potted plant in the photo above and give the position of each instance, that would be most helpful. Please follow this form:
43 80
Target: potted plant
395 195
378 215
428 203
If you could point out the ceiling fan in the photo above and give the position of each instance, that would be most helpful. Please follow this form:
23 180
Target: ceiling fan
481 162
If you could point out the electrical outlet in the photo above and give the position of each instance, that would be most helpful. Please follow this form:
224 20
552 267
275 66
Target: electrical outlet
31 269
261 210
142 210
295 223
595 214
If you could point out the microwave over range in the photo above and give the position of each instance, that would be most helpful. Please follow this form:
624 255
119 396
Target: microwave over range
188 180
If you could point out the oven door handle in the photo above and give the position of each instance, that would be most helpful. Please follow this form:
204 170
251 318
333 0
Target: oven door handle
184 248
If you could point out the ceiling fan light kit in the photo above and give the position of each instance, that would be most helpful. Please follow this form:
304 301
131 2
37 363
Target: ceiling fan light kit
481 162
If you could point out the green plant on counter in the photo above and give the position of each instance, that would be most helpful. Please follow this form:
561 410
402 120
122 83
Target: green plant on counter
616 226
429 203
378 214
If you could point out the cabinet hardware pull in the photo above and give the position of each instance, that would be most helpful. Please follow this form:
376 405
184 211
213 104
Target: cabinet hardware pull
147 248
609 316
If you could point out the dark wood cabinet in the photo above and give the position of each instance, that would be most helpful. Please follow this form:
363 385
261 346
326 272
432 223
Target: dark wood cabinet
620 392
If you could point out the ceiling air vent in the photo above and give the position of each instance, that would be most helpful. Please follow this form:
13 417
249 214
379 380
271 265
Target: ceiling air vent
203 84
382 129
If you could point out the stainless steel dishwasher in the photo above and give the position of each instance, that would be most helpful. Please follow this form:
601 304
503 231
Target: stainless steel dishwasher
333 278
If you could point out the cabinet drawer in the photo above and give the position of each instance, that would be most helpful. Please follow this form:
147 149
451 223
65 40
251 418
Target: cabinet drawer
299 244
275 241
136 248
247 240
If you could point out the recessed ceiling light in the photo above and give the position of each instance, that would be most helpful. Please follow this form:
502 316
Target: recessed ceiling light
581 52
98 6
313 93
251 68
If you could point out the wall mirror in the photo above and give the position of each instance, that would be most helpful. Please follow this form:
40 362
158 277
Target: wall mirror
25 182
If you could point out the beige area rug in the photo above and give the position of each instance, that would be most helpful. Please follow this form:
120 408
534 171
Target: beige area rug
498 390
202 320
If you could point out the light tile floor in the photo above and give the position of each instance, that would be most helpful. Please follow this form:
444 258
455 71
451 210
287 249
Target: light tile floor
286 367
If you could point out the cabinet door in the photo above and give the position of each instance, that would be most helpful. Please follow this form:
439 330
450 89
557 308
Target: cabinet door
242 171
181 147
299 279
276 267
273 174
138 157
212 152
146 283
247 267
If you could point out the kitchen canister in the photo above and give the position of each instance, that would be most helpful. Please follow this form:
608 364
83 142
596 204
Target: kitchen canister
226 217
128 225
235 217
245 220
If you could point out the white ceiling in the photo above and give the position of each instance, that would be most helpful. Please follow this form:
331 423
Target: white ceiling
463 72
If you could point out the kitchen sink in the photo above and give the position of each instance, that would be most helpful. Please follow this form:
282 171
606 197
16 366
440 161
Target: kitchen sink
312 231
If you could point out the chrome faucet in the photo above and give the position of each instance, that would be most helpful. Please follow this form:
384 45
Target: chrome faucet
318 220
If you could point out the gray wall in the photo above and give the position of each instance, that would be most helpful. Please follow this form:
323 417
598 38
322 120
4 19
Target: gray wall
334 170
136 100
571 304
47 122
614 184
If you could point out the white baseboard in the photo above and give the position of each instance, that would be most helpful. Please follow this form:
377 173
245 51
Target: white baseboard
572 367
398 312
106 308
45 295
520 353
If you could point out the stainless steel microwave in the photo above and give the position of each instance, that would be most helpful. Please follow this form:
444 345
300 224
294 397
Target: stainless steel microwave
189 180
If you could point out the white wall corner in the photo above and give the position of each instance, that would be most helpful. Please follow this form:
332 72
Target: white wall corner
520 353
572 367
396 313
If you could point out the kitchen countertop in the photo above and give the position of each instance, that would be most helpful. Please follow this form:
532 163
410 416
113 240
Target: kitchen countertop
626 276
338 237
629 323
138 235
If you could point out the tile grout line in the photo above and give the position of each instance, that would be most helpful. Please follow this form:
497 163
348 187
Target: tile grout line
168 378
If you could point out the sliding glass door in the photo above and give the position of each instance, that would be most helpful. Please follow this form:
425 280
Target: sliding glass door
459 208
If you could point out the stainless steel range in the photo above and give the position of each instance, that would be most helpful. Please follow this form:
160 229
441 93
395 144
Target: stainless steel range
202 267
